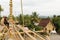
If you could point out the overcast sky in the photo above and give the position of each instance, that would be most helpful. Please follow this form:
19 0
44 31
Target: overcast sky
42 7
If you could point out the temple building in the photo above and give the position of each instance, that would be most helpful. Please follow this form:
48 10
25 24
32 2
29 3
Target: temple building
47 25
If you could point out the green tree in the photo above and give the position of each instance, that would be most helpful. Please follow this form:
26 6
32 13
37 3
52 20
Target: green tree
35 17
56 21
0 10
20 19
29 20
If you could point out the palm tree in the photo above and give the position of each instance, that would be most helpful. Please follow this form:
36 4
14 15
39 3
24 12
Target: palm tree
35 17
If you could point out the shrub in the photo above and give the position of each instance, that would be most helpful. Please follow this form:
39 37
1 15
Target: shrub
37 28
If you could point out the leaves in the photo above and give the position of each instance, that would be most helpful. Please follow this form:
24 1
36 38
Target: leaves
0 11
56 21
29 20
1 8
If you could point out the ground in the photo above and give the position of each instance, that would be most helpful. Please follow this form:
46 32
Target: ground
55 37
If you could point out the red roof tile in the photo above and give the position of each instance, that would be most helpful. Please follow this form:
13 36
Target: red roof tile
44 22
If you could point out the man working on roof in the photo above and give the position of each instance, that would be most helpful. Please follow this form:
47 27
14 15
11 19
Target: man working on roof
4 22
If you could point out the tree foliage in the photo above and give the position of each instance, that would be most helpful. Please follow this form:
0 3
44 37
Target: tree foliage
56 21
0 11
29 20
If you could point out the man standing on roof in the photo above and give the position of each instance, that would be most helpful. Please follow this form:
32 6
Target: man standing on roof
4 22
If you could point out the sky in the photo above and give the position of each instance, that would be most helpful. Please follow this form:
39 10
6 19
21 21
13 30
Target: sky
42 7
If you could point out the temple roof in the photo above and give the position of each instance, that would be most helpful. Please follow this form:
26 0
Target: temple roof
44 22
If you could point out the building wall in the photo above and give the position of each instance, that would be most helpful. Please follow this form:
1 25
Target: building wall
50 27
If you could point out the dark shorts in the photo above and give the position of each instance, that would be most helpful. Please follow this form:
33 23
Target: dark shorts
7 24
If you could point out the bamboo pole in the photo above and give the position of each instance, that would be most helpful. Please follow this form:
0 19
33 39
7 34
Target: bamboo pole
38 36
19 34
22 12
27 33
